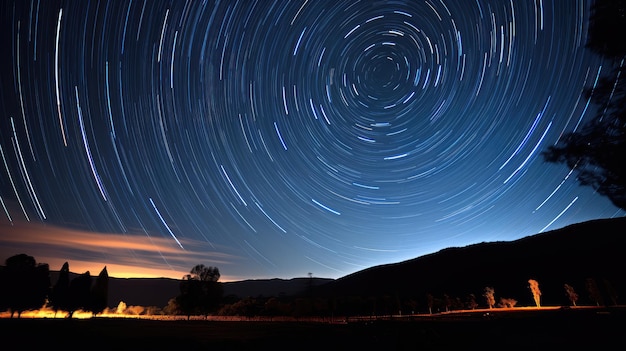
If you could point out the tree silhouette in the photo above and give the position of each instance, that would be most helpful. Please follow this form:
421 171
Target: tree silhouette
206 274
4 289
594 291
200 291
507 302
606 25
79 293
611 292
598 150
189 299
430 301
471 302
172 307
447 302
59 297
25 284
571 294
100 293
489 297
534 288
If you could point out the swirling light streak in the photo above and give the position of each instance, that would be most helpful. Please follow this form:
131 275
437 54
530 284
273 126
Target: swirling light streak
299 137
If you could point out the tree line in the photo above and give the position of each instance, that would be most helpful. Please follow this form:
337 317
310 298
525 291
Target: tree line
26 285
309 305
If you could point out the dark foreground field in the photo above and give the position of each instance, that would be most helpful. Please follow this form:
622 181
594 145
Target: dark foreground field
550 329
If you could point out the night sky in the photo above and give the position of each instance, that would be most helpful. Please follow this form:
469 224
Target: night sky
281 138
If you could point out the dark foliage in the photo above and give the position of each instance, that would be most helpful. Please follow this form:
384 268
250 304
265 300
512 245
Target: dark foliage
25 284
606 28
99 293
598 150
79 293
206 274
71 295
59 298
189 299
200 291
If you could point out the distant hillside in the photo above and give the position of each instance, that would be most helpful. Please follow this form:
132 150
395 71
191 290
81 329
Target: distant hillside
594 249
272 287
158 291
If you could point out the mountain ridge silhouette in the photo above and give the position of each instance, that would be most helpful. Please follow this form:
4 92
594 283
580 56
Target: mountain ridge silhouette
572 254
569 255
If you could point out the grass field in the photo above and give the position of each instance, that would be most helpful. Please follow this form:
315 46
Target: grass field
500 330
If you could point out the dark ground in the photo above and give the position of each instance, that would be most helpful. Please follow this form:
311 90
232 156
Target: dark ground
593 329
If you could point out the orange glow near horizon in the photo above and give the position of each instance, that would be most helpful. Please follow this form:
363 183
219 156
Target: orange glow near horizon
115 270
121 311
124 255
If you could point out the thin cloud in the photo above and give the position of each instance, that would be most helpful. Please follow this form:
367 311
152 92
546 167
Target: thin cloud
125 255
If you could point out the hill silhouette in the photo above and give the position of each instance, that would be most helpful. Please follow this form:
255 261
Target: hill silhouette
158 291
572 255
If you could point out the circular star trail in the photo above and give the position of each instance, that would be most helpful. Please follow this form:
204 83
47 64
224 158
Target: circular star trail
294 136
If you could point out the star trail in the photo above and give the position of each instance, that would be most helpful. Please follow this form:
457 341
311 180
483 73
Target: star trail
276 138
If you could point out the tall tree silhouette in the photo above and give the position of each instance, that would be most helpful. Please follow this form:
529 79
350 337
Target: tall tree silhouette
489 295
606 28
534 289
59 298
598 150
79 293
100 293
594 291
200 291
571 294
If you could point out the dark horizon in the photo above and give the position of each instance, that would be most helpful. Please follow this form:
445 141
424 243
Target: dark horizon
576 266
